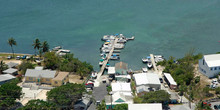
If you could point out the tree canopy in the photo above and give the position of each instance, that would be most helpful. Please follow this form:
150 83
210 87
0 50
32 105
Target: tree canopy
3 66
11 42
66 95
121 107
39 105
67 63
9 92
24 66
160 96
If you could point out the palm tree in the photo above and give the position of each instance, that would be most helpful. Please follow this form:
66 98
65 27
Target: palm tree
3 66
45 47
36 45
11 42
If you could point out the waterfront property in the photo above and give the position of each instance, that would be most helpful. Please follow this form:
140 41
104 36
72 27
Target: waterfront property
209 65
146 106
146 82
49 77
6 78
170 81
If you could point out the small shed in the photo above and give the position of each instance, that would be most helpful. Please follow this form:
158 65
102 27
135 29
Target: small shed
12 64
6 78
170 81
11 71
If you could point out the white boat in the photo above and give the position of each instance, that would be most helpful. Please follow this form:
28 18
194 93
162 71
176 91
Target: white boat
149 65
108 37
114 57
144 69
101 63
147 59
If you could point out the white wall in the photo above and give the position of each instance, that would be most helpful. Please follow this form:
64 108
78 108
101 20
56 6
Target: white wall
204 69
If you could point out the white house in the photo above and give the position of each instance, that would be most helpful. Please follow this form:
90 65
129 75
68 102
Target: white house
6 78
147 106
147 82
209 65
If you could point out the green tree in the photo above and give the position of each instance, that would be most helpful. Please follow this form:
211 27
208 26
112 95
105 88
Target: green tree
39 105
160 96
101 106
217 90
3 66
66 95
11 42
45 46
51 61
197 79
24 66
9 92
37 45
121 107
202 106
182 89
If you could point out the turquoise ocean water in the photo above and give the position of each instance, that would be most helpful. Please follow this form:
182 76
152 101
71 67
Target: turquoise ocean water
160 26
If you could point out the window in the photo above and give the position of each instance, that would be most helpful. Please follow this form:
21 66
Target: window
47 79
215 68
30 78
203 62
211 68
56 82
219 68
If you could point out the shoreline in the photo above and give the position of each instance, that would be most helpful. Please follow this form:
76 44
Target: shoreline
15 53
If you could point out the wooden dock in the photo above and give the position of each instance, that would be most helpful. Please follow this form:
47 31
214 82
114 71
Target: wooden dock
153 62
106 61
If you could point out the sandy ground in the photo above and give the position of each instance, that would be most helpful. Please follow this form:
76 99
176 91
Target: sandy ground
75 79
13 60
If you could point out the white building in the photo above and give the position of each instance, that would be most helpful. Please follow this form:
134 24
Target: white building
170 81
209 65
147 106
147 82
121 87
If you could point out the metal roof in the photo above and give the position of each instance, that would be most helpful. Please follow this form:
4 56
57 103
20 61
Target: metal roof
146 78
170 78
12 64
212 60
10 71
40 73
5 77
111 70
147 106
121 87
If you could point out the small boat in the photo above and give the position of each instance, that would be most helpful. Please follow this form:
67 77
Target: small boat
101 62
149 65
114 57
132 38
107 65
116 54
144 69
147 59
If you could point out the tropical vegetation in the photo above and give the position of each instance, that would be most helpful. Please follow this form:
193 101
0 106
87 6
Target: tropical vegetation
39 105
3 66
66 96
12 42
9 92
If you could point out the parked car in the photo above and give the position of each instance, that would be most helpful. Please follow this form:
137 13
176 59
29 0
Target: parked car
9 57
98 102
18 58
216 107
161 80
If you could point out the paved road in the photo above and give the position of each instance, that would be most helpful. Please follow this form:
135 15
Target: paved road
99 94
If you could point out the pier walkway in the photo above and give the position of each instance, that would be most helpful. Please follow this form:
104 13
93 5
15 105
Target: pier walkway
153 62
98 79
